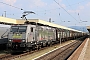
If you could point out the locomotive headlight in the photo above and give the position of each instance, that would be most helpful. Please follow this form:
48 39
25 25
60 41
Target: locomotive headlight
35 43
23 40
17 34
10 40
31 42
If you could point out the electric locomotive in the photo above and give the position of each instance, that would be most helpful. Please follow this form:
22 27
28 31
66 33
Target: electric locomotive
27 37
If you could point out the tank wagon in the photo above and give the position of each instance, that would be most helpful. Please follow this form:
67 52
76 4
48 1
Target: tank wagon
3 37
35 35
3 43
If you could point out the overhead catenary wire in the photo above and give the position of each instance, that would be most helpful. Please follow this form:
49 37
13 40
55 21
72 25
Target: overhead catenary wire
21 8
14 6
81 21
38 11
77 3
65 10
11 5
60 16
79 17
68 4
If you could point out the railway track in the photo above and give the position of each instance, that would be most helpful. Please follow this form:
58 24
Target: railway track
5 56
10 56
16 55
78 51
52 55
61 53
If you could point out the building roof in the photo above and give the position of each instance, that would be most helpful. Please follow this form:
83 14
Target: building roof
7 20
21 21
88 28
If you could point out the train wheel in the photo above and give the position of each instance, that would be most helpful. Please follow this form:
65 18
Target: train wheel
38 47
27 49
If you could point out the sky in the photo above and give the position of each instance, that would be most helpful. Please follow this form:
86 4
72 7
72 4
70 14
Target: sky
62 12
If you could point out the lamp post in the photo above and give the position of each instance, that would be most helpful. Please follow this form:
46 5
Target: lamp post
5 13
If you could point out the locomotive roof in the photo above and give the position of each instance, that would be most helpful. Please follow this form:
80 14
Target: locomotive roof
4 20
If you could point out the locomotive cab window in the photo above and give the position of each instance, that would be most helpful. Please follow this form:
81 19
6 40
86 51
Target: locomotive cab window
31 29
18 29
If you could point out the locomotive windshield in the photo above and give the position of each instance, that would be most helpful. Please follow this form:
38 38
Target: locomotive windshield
18 29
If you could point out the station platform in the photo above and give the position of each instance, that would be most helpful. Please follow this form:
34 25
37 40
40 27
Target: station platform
83 52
